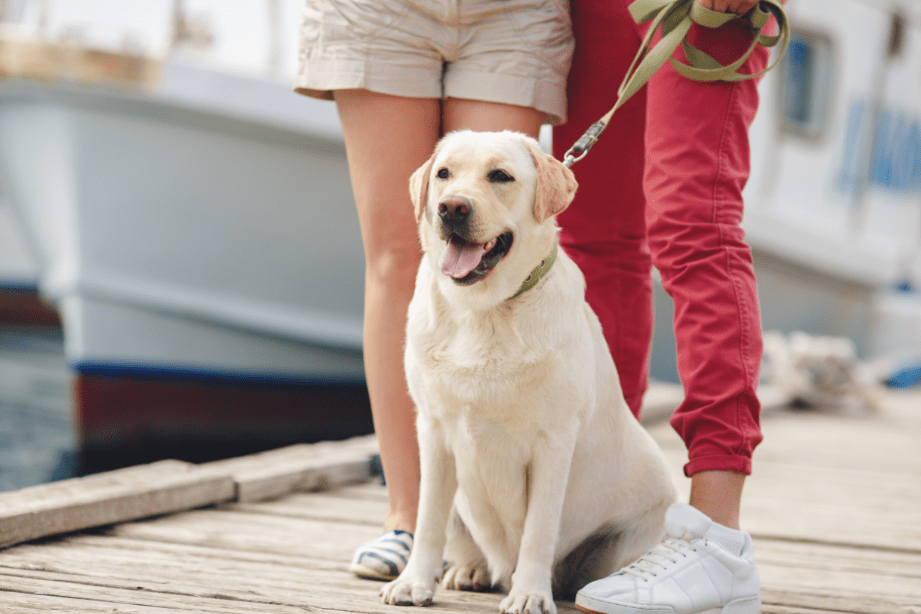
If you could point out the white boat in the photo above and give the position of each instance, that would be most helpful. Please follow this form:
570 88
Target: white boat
833 205
20 303
837 186
194 224
195 228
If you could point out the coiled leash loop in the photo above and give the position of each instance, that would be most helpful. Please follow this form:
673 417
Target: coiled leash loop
675 18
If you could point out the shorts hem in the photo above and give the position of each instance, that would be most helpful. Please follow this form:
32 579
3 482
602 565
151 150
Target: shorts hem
545 97
319 79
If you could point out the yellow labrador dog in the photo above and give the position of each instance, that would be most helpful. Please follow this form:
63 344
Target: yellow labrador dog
536 478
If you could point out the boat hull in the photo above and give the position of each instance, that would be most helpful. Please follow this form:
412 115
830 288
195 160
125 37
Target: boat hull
207 267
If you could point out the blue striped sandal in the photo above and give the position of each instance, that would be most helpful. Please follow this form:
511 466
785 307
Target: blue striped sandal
384 558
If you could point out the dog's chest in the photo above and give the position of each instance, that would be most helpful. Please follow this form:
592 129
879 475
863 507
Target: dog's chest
480 361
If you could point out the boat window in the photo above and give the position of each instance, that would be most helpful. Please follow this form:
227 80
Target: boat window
806 80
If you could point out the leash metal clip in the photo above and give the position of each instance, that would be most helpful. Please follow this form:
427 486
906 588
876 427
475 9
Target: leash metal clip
580 148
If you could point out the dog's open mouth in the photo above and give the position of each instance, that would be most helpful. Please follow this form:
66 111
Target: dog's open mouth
468 263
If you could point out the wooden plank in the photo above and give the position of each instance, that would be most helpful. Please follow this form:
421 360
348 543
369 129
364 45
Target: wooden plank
229 530
173 486
331 505
292 553
20 603
808 556
837 602
843 443
112 563
274 586
840 442
81 596
116 496
191 570
307 597
261 584
170 563
822 577
133 560
829 478
818 574
836 578
299 468
771 608
849 507
371 491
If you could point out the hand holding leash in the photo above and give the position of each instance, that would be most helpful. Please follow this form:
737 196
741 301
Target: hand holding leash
739 7
675 18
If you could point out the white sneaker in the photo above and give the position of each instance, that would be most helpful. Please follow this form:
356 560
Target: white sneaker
701 567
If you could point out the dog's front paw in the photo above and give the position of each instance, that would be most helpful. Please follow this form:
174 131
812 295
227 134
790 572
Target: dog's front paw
528 603
405 591
467 577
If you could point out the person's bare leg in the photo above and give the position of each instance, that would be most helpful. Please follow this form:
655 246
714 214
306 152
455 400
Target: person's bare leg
460 113
387 138
718 494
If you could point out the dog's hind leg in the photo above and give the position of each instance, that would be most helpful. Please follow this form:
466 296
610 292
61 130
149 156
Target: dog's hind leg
637 538
590 560
467 568
604 553
607 552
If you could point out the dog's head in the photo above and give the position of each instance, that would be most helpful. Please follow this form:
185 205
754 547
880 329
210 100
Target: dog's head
485 203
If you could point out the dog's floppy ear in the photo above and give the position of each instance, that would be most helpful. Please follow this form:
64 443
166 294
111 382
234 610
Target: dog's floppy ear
419 186
556 184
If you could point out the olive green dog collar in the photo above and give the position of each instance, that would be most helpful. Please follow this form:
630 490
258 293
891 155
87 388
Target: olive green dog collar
537 273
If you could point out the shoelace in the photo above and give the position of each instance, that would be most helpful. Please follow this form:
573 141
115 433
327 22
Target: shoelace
667 551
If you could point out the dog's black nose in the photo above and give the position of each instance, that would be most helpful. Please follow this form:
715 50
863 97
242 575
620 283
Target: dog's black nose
455 209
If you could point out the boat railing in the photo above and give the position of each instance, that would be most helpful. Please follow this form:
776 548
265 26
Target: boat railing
186 30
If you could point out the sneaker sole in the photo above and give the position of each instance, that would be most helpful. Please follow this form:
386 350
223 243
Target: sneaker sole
749 605
369 573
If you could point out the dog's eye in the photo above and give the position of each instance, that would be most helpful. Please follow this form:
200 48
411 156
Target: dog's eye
499 176
442 173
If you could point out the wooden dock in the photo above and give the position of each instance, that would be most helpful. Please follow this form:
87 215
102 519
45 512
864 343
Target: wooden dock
834 506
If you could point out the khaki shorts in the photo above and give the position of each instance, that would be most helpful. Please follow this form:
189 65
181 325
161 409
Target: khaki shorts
509 51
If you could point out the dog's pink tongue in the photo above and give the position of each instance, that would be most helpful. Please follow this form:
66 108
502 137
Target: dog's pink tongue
459 257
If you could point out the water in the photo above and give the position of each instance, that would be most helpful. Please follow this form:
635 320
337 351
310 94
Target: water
37 442
37 438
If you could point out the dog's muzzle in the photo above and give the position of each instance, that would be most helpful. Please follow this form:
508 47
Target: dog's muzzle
454 214
464 259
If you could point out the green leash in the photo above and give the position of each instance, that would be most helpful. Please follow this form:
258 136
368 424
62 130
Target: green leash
675 18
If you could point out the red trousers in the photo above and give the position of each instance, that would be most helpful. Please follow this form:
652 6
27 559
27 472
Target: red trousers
663 186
